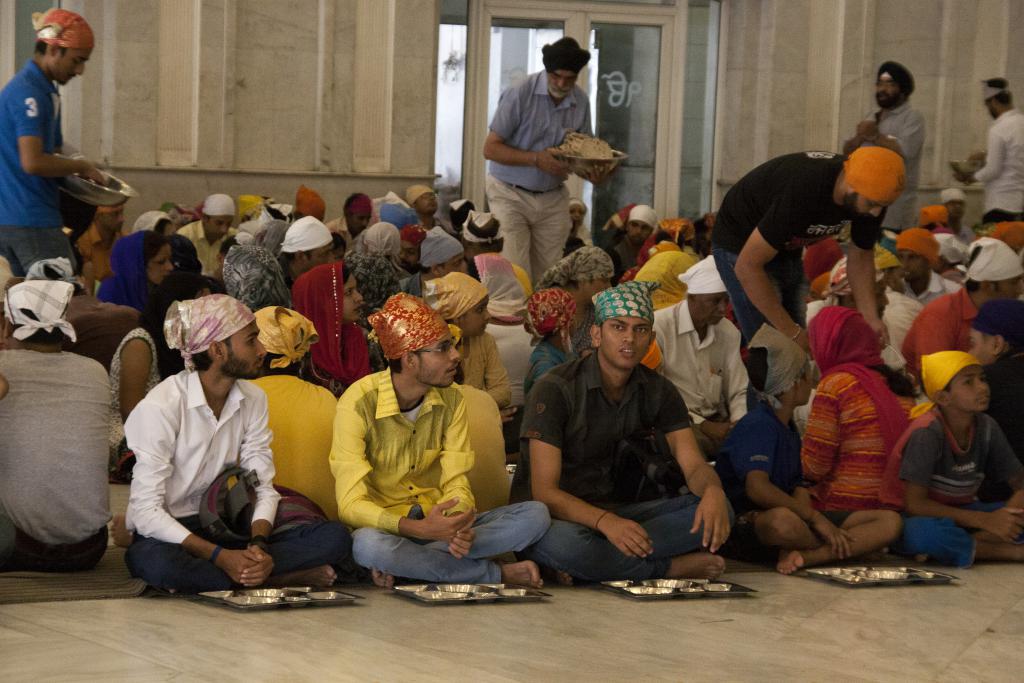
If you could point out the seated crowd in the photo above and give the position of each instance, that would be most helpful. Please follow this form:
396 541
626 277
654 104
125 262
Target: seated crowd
302 401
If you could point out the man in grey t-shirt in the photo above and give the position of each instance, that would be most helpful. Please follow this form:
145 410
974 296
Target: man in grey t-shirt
896 126
54 421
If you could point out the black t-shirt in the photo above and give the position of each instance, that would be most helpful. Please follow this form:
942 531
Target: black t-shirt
568 408
1006 380
789 199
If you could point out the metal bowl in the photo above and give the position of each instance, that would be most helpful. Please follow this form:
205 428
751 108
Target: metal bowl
114 192
585 167
265 593
963 166
649 590
442 595
250 600
513 592
464 588
885 574
669 583
717 587
220 595
297 598
625 583
325 595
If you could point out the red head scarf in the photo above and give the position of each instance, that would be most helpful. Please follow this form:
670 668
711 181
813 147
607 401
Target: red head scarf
842 341
341 352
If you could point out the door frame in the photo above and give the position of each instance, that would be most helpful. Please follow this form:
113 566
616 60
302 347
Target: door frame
577 18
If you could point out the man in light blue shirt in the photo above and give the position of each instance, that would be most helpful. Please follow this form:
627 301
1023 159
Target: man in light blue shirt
525 183
30 138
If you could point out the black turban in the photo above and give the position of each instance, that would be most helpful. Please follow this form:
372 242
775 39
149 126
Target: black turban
565 54
899 74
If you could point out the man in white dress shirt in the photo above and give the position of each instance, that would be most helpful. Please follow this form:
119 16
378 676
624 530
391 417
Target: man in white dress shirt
701 351
185 433
1003 171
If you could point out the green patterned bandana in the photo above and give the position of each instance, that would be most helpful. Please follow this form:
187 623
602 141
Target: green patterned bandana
628 300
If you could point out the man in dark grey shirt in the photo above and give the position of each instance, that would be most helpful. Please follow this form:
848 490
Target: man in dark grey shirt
575 417
53 453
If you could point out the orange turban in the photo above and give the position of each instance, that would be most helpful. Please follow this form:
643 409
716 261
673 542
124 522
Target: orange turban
876 173
1011 232
63 28
819 285
309 203
405 324
681 229
921 242
936 213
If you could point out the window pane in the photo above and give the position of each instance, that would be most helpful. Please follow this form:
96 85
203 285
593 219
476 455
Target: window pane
451 109
516 53
624 67
699 107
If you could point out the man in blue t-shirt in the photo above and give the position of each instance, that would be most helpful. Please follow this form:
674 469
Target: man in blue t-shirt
525 183
30 139
759 466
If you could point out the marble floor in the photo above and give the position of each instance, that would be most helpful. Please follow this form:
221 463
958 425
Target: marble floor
793 629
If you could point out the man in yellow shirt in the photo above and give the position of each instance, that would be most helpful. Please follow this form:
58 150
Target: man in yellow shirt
208 233
400 457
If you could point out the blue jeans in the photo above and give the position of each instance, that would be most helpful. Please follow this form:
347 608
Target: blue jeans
786 275
586 554
506 529
171 567
23 246
941 539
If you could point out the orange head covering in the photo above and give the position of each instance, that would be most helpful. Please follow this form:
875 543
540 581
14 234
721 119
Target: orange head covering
308 202
681 229
819 285
1011 232
63 28
876 173
921 242
406 324
936 213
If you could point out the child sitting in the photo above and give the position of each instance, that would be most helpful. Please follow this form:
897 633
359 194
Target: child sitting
946 454
759 465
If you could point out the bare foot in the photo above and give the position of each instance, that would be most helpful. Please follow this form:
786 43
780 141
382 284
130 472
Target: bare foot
563 578
699 565
318 577
525 573
382 580
789 561
119 532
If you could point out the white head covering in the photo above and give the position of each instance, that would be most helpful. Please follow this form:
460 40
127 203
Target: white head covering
703 278
577 202
305 234
438 247
245 238
644 214
36 305
458 204
219 205
952 194
992 260
951 248
992 87
148 220
58 268
787 362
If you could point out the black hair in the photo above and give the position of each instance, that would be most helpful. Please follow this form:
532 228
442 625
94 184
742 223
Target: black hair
202 361
572 244
898 382
177 286
338 242
972 285
226 245
292 369
41 46
488 232
458 216
395 365
152 243
757 367
1004 98
52 338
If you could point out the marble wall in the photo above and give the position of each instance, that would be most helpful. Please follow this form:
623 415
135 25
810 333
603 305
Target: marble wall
799 74
187 97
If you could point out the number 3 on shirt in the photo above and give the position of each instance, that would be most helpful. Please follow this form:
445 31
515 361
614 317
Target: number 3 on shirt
32 109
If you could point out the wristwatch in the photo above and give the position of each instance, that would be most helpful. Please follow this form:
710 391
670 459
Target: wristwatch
261 542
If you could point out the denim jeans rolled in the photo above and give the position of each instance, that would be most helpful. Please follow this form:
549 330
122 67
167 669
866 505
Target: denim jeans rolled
786 276
170 567
23 246
509 528
586 554
941 539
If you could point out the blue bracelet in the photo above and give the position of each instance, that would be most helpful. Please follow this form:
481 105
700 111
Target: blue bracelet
214 554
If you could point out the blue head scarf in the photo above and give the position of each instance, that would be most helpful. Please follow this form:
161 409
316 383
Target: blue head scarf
398 215
128 286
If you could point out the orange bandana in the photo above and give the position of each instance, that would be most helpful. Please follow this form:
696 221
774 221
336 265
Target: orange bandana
876 173
930 215
921 242
406 324
1011 232
63 28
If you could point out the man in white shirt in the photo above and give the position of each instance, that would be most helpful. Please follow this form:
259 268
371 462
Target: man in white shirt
918 251
701 351
184 434
1003 170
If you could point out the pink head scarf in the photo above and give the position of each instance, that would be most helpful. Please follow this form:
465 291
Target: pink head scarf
192 326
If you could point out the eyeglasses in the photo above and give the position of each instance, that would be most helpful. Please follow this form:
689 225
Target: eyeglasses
443 348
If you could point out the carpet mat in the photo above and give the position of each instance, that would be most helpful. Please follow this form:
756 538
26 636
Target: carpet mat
108 580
